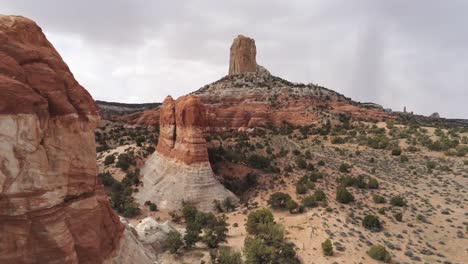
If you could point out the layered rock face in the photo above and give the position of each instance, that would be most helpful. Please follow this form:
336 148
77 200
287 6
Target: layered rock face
243 56
52 210
179 170
250 96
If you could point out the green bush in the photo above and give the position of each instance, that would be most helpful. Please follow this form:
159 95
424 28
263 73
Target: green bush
102 148
291 205
373 183
378 199
301 163
345 168
278 200
301 188
106 179
309 201
173 242
123 161
109 160
240 186
343 195
327 247
319 195
225 255
396 151
259 162
397 201
378 252
398 216
372 222
257 220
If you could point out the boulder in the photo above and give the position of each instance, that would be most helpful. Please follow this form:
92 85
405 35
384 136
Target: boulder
152 233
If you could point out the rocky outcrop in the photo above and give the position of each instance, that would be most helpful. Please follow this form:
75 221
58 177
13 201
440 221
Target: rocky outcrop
179 169
243 56
153 234
250 96
52 209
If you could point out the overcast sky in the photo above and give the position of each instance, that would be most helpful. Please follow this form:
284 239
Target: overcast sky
395 53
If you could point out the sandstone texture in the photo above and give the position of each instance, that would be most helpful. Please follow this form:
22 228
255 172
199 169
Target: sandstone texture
243 56
52 209
179 169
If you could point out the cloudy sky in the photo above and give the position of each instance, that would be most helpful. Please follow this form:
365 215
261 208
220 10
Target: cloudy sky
396 53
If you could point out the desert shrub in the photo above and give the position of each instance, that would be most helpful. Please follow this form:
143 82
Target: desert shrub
102 148
378 142
338 140
106 179
278 200
109 159
403 158
301 163
327 247
343 195
346 181
345 168
421 217
225 255
378 252
266 244
257 220
123 161
372 222
396 151
150 149
258 162
214 228
152 206
316 175
321 163
228 205
397 201
373 183
291 205
173 242
398 216
240 186
378 199
319 195
301 188
309 201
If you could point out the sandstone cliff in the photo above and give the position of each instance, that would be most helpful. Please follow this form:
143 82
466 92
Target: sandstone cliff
179 169
52 210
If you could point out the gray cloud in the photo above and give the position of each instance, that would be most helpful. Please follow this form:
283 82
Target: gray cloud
396 53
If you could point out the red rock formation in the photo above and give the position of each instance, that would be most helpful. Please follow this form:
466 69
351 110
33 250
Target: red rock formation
179 169
181 129
243 56
52 209
250 96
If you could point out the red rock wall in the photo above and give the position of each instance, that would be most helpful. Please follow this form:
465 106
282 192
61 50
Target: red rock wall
182 123
52 210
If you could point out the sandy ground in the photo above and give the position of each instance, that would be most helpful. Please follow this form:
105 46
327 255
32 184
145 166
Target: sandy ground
439 195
